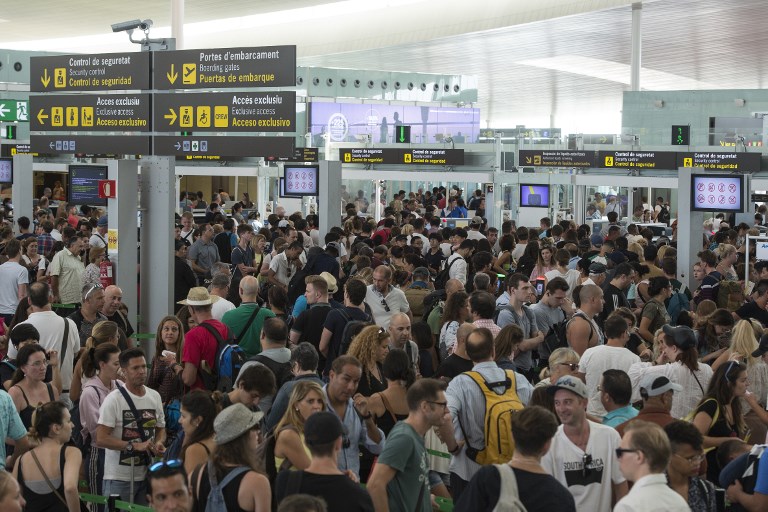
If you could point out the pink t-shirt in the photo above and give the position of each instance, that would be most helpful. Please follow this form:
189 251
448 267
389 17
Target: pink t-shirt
200 345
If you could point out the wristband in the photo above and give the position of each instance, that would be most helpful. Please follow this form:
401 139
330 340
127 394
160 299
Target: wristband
369 416
455 450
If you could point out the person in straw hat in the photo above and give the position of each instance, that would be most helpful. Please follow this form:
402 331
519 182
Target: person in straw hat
200 342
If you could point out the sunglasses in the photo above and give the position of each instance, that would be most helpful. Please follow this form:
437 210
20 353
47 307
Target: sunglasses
621 451
586 465
572 366
173 464
384 303
90 290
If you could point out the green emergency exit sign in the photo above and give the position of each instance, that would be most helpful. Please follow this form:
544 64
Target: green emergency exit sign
14 110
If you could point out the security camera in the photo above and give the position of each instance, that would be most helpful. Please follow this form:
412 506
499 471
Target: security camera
131 25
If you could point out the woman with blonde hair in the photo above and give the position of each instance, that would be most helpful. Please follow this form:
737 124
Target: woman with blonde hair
11 499
727 257
48 474
562 362
365 275
105 331
744 343
306 399
370 347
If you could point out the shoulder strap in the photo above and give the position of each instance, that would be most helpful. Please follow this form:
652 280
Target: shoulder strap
249 322
48 480
230 476
207 450
64 343
50 391
22 393
135 413
387 406
508 489
214 331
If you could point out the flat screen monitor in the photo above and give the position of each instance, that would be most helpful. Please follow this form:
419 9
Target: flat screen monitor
83 184
534 196
301 180
717 193
6 170
282 191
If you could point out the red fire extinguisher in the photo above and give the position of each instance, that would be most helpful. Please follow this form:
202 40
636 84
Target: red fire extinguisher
106 272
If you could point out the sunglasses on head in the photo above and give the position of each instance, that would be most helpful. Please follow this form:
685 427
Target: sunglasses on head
173 464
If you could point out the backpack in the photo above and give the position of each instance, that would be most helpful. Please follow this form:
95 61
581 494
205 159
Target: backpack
432 301
444 275
497 428
509 494
751 460
730 295
351 329
282 371
227 362
663 215
82 442
678 302
215 501
557 335
173 451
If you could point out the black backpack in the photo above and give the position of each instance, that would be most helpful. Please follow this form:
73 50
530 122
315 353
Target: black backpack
351 329
443 276
431 301
663 215
282 371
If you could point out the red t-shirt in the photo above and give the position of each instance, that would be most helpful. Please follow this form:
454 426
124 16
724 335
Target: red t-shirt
200 345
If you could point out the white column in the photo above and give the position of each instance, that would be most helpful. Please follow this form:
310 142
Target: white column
177 23
329 197
637 41
689 229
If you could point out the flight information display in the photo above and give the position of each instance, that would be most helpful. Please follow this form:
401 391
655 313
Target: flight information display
83 181
6 170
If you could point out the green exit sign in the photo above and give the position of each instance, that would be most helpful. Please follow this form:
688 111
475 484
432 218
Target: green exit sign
681 135
403 134
14 110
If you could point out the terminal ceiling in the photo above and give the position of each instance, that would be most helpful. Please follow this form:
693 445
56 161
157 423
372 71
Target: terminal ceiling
559 61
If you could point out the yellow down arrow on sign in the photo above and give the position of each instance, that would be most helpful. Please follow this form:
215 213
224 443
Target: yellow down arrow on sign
45 79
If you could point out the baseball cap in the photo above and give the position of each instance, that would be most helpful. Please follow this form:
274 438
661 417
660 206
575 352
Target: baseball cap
103 221
282 224
477 221
596 240
569 383
322 428
682 336
597 269
654 385
762 348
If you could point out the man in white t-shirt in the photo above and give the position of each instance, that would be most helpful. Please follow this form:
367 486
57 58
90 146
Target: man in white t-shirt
571 276
612 355
130 442
14 280
99 237
220 287
384 299
582 456
50 326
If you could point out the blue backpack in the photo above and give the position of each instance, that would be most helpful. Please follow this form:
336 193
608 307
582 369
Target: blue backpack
678 302
228 362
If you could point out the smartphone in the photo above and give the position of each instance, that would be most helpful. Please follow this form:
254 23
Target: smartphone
539 286
169 353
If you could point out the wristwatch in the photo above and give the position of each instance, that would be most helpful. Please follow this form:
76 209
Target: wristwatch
129 447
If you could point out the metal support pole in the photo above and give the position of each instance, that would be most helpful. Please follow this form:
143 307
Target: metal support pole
157 243
22 190
637 41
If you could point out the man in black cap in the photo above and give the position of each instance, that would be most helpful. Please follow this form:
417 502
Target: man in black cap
597 274
324 436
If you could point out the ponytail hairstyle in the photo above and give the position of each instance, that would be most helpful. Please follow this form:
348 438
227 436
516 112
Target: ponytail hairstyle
94 356
44 417
22 359
200 404
103 332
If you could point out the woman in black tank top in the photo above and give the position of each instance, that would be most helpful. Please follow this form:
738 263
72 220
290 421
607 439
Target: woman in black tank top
237 436
48 473
198 410
389 406
28 389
